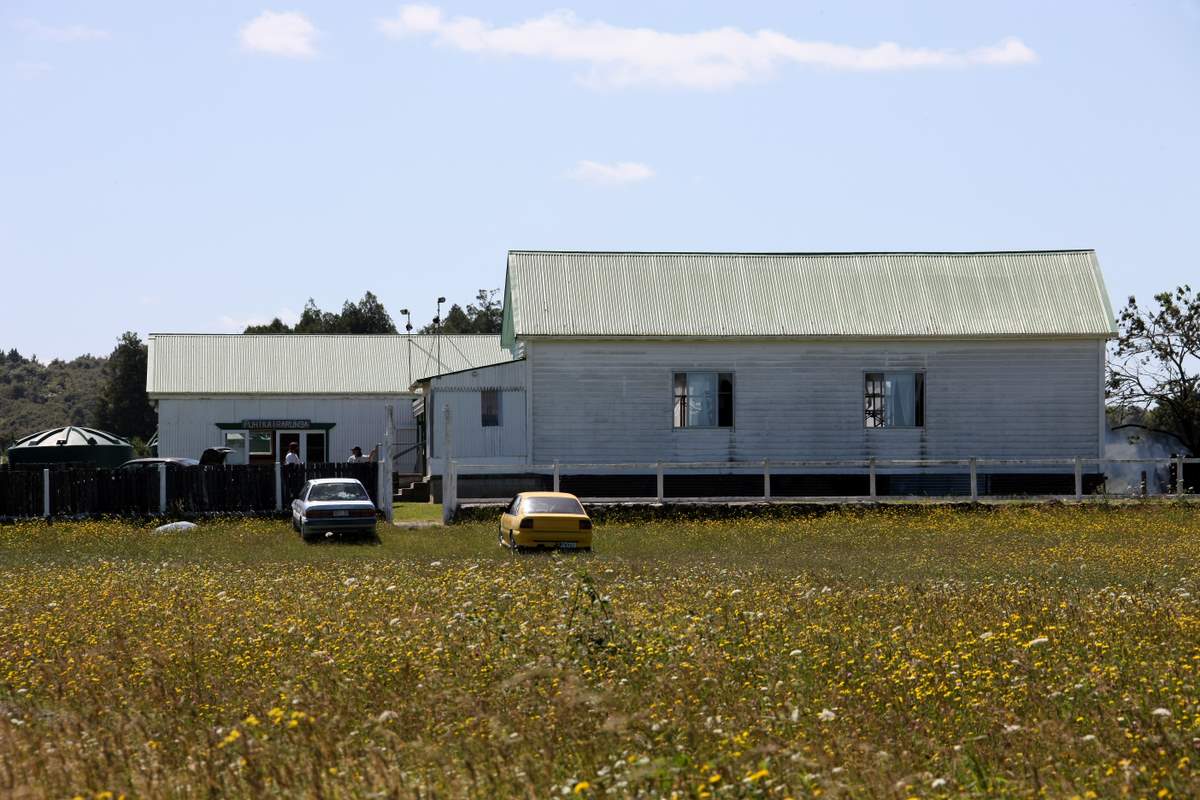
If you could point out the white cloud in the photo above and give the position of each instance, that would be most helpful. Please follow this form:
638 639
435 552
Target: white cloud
31 70
714 59
68 33
616 174
284 33
238 324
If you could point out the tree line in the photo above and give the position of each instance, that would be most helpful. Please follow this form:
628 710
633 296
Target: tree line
368 315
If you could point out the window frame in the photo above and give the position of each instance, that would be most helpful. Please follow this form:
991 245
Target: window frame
260 434
919 411
483 415
718 374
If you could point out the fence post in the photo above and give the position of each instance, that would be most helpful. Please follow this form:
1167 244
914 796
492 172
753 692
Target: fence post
766 479
383 476
871 474
449 491
974 482
1078 478
556 474
449 476
278 486
659 471
162 488
46 493
1179 489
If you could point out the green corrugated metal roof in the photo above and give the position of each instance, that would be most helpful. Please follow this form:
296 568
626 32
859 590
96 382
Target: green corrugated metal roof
238 364
900 295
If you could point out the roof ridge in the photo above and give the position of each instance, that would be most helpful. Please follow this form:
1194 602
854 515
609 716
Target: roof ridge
777 253
325 335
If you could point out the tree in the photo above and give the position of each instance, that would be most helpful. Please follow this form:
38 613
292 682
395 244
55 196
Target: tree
123 406
366 316
1154 375
482 316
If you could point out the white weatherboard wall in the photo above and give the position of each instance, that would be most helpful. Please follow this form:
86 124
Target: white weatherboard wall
610 401
188 425
470 440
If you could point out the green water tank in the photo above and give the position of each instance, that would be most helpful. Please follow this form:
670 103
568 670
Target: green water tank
71 445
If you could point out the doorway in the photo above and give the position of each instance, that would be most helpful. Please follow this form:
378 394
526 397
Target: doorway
311 444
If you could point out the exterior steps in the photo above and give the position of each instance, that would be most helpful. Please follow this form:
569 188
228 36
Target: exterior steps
416 492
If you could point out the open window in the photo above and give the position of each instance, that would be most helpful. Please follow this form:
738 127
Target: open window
236 442
703 400
894 400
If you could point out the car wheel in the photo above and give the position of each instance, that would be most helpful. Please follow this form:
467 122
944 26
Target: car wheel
512 542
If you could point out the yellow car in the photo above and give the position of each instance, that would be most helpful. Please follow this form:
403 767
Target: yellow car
546 519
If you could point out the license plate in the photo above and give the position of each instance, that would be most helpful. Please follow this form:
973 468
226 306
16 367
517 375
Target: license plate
566 545
341 513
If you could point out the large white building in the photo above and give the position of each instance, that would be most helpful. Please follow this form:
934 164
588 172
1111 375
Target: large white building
736 358
686 357
258 393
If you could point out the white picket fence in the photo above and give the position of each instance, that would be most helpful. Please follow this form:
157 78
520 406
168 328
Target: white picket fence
872 468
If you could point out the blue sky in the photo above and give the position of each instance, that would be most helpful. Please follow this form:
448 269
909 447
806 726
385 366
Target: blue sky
173 169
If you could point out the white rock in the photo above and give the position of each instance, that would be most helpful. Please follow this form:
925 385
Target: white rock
175 527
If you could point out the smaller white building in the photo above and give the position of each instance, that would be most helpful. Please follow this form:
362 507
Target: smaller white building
259 393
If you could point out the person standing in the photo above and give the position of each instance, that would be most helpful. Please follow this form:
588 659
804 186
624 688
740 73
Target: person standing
293 455
357 457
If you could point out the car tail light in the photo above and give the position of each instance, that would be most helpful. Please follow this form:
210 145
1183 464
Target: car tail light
317 513
527 522
585 524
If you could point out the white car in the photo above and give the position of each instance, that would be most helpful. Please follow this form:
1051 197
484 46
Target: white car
333 506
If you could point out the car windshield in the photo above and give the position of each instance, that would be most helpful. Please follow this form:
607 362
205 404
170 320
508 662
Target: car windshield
337 491
551 505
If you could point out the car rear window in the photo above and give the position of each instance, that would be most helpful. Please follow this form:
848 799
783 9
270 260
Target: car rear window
338 491
551 505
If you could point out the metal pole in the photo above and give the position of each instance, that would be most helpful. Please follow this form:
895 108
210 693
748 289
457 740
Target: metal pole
46 493
871 474
659 470
1078 478
556 475
278 486
162 488
766 479
974 482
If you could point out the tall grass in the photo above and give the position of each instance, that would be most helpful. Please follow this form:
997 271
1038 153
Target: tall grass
925 653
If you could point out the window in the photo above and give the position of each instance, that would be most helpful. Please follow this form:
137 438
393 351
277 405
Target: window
260 442
236 442
894 400
551 505
337 491
703 400
489 407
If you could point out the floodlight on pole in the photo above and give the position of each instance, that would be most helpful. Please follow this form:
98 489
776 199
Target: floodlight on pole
408 331
437 322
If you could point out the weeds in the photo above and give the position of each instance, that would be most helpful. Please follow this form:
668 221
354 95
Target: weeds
931 653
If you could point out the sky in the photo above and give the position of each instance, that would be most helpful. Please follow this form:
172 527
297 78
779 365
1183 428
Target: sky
194 168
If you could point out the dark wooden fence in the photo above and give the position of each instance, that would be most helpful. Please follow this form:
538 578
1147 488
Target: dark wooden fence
77 491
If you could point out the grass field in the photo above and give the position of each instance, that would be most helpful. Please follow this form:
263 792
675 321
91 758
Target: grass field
1019 652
